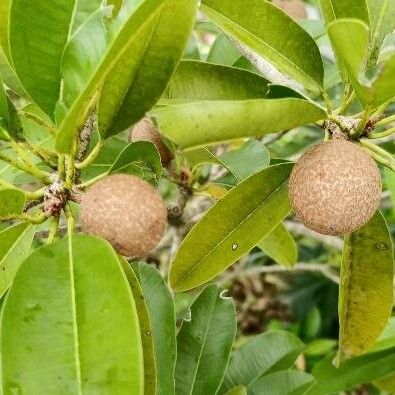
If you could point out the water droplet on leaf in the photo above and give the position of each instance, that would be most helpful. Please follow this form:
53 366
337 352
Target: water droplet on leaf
235 247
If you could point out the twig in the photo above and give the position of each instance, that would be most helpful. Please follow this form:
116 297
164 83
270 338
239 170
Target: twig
326 270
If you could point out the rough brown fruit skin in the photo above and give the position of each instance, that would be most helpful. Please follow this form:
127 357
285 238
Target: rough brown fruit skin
294 8
126 211
145 130
335 187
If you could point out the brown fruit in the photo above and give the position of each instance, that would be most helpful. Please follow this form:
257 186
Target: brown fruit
145 130
294 8
125 210
335 187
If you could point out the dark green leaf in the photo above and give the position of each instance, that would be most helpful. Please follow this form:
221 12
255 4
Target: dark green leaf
263 354
137 82
195 81
232 227
160 305
15 243
38 31
204 343
366 287
71 298
196 124
265 36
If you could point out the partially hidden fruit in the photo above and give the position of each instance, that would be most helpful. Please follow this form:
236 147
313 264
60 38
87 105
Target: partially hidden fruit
145 130
126 211
335 187
294 8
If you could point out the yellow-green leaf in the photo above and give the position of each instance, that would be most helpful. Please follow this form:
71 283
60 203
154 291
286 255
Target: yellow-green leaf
232 227
366 287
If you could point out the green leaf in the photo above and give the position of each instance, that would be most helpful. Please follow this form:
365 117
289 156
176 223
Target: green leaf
15 243
223 51
12 202
250 158
194 81
263 354
204 343
83 9
196 124
355 371
366 287
145 329
86 66
79 307
160 305
382 14
239 390
232 227
10 78
261 26
338 9
371 91
280 383
140 158
137 82
38 31
280 246
5 7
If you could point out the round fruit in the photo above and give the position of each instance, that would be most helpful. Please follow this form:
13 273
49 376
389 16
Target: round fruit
294 8
145 130
126 211
335 187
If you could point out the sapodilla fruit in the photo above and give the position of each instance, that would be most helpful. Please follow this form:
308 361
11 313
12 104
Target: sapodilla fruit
126 211
145 130
335 187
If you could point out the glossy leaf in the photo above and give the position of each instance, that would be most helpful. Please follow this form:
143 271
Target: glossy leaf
8 74
69 325
239 390
204 343
223 51
372 92
196 124
338 9
382 15
280 383
145 329
137 82
139 158
263 354
86 66
5 7
232 227
84 8
194 81
280 246
12 202
366 287
9 120
265 36
355 371
38 65
160 305
250 158
15 243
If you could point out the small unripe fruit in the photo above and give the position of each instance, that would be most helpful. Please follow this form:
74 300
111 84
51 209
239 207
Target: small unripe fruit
126 211
145 130
335 187
294 8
